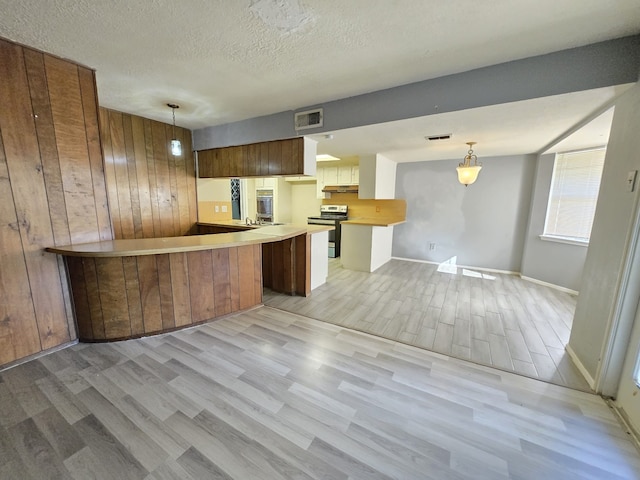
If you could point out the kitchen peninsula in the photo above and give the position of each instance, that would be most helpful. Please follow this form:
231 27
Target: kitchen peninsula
134 287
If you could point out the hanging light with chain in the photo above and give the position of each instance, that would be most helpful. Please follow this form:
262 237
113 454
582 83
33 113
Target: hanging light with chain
468 171
176 146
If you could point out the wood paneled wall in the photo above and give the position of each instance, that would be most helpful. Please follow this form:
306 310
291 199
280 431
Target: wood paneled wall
52 192
124 297
151 192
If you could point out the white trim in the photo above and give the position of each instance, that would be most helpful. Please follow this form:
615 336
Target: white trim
626 422
567 240
622 316
550 285
576 361
493 270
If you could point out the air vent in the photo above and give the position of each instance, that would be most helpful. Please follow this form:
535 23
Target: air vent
308 119
443 136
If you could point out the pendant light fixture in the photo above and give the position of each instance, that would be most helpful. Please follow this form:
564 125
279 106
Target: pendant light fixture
468 172
176 146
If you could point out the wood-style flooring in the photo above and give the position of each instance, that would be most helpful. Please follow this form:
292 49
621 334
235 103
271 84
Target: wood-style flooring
492 319
267 394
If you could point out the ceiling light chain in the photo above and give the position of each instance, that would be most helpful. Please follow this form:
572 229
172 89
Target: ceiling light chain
468 173
176 146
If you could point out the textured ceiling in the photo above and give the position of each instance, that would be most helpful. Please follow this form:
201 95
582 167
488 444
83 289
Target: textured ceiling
228 60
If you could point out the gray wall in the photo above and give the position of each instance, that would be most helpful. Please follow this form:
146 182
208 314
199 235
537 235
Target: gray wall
612 226
552 262
483 224
599 65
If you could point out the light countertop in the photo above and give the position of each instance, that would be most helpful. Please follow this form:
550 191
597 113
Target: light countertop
374 222
156 246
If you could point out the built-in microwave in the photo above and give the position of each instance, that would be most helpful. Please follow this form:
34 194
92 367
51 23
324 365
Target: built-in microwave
264 205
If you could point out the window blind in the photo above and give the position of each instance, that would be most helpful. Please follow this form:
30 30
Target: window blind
574 193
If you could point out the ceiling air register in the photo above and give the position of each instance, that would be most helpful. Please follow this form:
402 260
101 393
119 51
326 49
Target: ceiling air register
308 119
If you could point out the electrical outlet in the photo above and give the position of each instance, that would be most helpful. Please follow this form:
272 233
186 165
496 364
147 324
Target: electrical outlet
224 209
432 246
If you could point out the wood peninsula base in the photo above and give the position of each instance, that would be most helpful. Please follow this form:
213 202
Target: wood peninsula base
117 298
135 287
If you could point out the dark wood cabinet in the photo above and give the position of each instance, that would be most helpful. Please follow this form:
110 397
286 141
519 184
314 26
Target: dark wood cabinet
293 156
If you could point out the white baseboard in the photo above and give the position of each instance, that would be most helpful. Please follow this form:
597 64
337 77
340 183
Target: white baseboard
550 285
492 270
626 422
576 361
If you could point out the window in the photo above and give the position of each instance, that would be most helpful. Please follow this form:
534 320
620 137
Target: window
573 196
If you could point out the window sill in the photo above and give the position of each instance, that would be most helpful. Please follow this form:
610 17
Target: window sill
566 240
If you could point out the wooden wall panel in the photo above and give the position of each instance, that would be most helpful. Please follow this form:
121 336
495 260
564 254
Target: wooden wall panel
93 297
34 62
92 125
234 279
18 326
113 297
81 302
221 281
201 284
151 192
150 293
180 288
71 140
134 299
25 168
250 264
166 293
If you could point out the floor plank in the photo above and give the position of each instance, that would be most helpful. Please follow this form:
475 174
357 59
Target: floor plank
414 303
268 394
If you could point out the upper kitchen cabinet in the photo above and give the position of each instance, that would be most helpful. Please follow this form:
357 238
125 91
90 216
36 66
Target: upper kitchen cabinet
293 156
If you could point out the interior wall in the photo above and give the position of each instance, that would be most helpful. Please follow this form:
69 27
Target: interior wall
610 236
482 225
552 262
304 202
214 199
52 192
603 64
151 192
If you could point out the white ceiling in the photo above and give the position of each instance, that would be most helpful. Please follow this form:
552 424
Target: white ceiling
508 129
228 60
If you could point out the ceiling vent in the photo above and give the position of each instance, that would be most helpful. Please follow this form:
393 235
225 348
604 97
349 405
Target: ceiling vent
443 136
308 119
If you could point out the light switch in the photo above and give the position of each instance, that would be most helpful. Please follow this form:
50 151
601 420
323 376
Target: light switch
631 180
224 209
216 208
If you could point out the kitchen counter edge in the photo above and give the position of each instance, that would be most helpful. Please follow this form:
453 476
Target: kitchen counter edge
189 243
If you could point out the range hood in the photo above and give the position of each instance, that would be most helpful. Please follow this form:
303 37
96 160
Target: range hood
340 189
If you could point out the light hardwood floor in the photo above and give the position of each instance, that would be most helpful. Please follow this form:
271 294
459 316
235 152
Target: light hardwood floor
492 319
267 394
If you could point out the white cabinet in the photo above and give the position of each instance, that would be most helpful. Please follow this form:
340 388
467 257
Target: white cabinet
343 175
265 182
300 179
355 175
348 175
330 175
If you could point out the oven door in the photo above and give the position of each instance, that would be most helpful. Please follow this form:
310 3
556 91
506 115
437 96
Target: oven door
332 233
